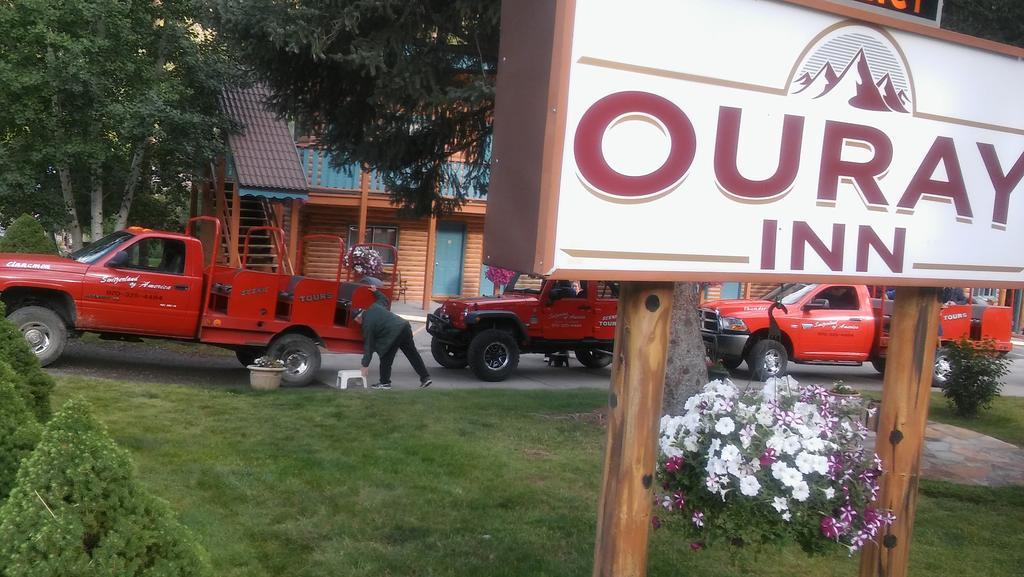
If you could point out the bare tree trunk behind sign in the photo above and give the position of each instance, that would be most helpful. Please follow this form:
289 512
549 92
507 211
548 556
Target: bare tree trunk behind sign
685 372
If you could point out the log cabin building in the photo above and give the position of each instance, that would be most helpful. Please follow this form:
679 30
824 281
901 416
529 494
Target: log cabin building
272 177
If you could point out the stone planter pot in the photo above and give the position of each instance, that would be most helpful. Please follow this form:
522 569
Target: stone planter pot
265 378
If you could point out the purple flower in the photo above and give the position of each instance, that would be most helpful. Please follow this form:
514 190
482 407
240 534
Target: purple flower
698 519
696 546
829 528
847 513
673 464
768 457
678 500
655 522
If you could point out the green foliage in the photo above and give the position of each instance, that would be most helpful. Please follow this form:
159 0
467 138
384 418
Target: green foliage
89 85
77 510
975 377
400 86
26 235
998 20
31 382
19 431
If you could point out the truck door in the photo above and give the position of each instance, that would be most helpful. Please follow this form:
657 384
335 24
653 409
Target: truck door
833 325
146 288
566 315
606 305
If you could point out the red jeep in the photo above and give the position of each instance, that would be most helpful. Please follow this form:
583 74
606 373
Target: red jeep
144 283
534 315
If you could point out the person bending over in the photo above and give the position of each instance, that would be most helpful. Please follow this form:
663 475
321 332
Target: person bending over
385 333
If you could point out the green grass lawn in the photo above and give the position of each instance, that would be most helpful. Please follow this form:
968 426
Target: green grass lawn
1004 420
317 482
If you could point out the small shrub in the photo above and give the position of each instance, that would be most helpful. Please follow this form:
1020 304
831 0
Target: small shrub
975 377
26 235
32 383
77 509
19 431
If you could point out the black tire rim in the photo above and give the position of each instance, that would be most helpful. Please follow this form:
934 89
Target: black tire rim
496 356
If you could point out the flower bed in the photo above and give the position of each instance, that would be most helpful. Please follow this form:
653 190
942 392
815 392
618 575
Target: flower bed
769 466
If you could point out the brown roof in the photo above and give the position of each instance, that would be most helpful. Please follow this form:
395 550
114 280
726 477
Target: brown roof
263 151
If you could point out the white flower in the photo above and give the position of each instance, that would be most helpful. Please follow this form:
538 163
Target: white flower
690 443
829 493
814 444
779 469
765 417
780 504
730 453
790 477
725 425
716 466
790 445
746 435
801 491
786 516
714 446
805 462
749 486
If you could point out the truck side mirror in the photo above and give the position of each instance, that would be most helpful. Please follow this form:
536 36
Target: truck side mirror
817 304
119 260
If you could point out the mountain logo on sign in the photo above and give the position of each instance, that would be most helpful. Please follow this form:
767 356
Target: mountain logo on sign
864 70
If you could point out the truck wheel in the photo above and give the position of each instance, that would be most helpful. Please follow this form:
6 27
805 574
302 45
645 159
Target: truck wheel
767 359
593 359
942 368
879 364
448 356
493 355
301 358
248 355
732 364
44 330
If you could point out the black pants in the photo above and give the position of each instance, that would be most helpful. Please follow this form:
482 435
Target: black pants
408 346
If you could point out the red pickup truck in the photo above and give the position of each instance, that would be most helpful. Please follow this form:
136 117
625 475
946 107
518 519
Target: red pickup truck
835 324
143 283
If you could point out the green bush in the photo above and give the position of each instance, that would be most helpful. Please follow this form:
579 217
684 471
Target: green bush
32 383
19 431
77 510
975 377
26 235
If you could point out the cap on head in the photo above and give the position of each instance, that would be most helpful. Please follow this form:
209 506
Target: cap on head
371 281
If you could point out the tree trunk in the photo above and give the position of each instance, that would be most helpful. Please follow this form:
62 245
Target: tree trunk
96 204
69 205
685 372
131 185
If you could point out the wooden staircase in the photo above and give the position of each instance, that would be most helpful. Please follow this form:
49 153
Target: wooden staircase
265 250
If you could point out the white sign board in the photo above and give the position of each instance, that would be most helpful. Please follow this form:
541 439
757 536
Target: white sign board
734 139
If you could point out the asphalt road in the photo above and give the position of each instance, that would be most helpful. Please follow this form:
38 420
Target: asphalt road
160 362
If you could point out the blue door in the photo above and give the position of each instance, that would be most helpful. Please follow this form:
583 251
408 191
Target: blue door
486 286
451 237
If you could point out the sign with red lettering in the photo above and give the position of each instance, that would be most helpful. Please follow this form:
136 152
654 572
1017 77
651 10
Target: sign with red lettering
788 142
924 11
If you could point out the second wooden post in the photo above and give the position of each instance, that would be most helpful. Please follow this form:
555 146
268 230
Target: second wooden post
638 379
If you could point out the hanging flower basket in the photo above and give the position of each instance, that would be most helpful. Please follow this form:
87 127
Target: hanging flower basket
499 276
775 465
365 261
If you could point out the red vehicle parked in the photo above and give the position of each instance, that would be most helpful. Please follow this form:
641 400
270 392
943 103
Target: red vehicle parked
834 324
143 283
534 315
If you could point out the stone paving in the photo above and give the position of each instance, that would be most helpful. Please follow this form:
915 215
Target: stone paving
969 458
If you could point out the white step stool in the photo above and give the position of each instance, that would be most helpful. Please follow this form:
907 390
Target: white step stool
345 376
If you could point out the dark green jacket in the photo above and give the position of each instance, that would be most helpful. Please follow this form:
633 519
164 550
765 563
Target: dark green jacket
381 328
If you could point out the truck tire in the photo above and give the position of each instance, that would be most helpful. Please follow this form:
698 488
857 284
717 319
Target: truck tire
879 364
593 358
941 368
248 355
44 330
732 364
447 355
767 359
493 355
301 358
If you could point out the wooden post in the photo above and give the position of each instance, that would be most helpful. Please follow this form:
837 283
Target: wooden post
364 202
219 203
235 230
638 380
428 272
294 234
904 414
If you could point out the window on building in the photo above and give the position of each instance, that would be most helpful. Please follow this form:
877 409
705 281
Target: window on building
380 234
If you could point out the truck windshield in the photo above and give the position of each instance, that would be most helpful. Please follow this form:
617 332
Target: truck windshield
525 283
95 251
789 293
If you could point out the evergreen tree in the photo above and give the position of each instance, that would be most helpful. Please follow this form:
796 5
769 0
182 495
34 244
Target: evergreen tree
77 511
26 235
19 431
31 382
